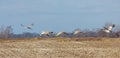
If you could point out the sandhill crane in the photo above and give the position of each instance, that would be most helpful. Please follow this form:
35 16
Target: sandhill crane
27 26
76 33
47 34
62 34
106 31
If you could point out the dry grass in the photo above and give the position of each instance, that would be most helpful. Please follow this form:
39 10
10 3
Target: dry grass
60 48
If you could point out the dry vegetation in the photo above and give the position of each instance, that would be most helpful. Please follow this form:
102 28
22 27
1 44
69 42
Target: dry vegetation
60 48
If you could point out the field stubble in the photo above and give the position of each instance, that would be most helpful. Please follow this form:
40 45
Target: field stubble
60 48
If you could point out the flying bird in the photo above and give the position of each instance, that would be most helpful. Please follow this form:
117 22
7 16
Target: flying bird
27 26
109 28
47 34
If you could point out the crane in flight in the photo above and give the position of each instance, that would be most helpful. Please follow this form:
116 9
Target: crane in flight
28 26
109 28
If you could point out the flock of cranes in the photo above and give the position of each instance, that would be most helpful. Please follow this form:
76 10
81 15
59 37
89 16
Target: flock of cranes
107 29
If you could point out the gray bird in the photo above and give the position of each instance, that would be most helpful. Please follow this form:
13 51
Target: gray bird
27 26
109 28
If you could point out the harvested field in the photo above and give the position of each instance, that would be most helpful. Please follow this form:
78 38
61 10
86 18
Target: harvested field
60 48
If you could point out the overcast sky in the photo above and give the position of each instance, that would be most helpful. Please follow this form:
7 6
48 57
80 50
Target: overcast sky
58 15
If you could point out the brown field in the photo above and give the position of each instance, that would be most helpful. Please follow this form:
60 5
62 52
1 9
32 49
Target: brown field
60 48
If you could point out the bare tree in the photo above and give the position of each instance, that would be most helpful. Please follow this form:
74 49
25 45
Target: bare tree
2 32
5 32
117 31
8 31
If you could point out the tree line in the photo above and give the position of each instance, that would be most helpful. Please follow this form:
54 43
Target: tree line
7 32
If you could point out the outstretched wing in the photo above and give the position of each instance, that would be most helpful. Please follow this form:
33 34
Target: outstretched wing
31 25
105 28
22 25
27 26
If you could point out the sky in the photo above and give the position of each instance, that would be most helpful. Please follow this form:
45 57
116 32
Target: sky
58 15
